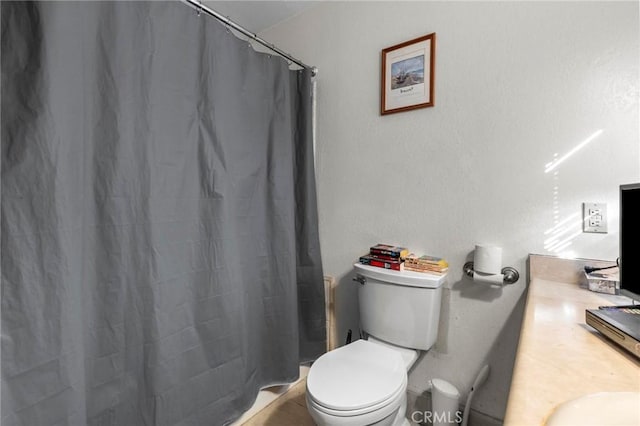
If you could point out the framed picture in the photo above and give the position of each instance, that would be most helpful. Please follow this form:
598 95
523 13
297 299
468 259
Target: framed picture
407 75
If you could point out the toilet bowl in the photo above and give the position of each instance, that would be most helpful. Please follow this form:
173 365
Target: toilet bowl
363 383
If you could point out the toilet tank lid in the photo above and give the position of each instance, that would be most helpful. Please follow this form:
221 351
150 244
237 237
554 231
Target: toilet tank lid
406 278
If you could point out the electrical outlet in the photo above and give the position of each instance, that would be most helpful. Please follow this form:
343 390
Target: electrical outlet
594 217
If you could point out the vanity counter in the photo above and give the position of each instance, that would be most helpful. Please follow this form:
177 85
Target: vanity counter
560 357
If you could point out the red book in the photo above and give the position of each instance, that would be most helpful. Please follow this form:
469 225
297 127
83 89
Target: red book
389 250
396 265
384 258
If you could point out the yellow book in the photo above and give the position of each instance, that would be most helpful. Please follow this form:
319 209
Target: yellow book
426 260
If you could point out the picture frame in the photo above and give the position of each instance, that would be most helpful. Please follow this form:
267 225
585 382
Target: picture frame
408 73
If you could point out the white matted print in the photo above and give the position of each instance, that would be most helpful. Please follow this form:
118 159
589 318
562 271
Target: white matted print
408 75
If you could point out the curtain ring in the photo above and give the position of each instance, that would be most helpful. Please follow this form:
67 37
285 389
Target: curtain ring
226 25
199 8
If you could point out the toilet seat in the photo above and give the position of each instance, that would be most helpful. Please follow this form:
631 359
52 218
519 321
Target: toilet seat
380 407
356 379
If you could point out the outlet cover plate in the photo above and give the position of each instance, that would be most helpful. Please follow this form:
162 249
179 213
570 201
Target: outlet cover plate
594 218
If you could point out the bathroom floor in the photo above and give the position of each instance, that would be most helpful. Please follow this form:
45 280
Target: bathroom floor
288 410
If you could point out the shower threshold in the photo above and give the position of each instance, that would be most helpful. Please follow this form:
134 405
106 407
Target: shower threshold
269 395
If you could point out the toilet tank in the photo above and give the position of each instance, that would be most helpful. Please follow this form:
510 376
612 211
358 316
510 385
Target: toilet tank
400 307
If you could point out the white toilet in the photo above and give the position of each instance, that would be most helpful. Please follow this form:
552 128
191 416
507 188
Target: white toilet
365 382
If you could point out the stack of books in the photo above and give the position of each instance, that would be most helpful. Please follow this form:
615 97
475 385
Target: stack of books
385 256
428 264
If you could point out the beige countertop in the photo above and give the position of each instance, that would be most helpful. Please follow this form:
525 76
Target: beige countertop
560 358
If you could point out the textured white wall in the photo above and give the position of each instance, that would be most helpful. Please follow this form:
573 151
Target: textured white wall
516 84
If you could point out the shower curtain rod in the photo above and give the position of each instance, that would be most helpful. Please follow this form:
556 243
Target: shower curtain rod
198 6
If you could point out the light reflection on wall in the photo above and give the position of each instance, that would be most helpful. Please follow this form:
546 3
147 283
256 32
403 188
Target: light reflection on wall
560 236
557 161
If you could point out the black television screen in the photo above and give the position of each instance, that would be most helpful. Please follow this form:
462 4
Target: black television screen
630 240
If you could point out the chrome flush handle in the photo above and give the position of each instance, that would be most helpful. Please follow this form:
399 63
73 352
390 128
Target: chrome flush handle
359 278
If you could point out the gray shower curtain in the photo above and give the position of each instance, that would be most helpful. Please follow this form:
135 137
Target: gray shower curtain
160 254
